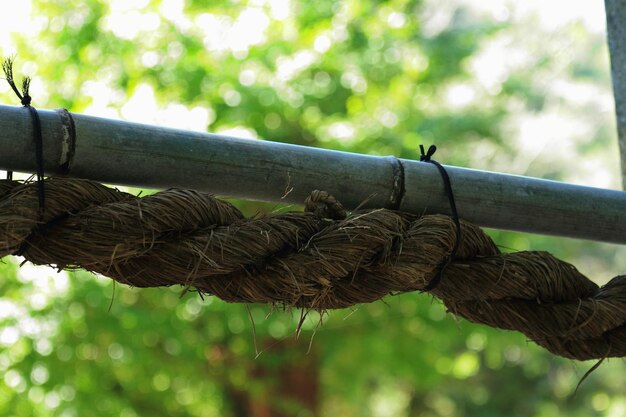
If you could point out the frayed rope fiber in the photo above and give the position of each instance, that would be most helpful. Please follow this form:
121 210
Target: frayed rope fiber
319 259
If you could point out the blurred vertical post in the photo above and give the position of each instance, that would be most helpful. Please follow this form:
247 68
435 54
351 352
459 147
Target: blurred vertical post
616 33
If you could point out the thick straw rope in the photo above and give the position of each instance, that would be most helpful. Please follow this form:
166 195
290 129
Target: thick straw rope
316 259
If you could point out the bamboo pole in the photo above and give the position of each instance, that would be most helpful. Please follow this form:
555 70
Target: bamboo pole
125 153
616 34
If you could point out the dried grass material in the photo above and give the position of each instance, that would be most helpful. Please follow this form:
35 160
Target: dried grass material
316 259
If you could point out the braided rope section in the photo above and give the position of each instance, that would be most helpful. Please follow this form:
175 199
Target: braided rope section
319 259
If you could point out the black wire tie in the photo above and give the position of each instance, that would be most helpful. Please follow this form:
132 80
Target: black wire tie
426 157
26 99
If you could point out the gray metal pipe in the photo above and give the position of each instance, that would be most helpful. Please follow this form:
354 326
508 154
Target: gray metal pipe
124 153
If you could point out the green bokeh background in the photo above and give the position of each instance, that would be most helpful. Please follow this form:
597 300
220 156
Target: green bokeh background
361 76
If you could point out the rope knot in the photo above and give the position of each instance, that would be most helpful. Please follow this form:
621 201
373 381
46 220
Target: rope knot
26 99
425 156
324 205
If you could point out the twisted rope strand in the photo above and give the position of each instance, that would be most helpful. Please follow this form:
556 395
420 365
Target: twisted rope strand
322 259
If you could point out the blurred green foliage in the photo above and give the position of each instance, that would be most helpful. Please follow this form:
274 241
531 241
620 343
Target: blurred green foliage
363 76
